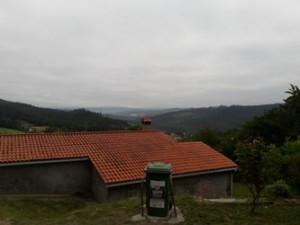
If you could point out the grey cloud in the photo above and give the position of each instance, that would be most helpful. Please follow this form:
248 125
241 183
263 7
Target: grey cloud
159 53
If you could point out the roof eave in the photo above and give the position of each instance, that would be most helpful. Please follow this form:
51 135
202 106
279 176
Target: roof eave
204 172
43 161
173 176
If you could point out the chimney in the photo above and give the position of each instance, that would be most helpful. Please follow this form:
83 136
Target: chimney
146 121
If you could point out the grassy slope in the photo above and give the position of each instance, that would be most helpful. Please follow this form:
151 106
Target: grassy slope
241 191
9 131
66 212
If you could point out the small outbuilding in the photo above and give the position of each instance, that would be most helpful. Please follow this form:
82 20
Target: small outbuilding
107 165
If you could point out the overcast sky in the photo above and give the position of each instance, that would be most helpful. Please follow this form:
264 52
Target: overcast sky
153 53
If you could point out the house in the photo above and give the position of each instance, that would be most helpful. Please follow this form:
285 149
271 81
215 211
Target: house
107 165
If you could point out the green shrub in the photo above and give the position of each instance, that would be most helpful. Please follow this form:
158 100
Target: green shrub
279 189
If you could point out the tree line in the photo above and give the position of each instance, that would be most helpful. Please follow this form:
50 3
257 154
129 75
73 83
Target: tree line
266 148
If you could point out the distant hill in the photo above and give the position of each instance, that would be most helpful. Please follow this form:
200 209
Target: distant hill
128 113
23 116
220 118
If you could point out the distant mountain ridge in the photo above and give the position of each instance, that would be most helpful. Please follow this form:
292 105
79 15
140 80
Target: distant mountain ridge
219 118
189 120
177 120
23 116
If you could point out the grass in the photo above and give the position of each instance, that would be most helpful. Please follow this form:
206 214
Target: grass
75 211
9 131
241 191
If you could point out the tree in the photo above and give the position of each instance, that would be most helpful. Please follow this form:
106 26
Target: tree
208 136
291 163
258 166
228 143
275 125
290 113
267 127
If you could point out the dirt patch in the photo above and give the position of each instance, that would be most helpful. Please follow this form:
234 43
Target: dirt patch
5 222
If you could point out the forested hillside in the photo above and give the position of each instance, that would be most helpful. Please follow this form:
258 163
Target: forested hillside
23 116
266 148
218 118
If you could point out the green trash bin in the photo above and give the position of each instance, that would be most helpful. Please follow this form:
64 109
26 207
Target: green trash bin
158 183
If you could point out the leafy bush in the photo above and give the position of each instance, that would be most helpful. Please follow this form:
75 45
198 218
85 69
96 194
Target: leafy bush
278 189
291 163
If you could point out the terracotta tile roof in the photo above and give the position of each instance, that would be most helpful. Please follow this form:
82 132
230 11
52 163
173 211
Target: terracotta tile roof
117 156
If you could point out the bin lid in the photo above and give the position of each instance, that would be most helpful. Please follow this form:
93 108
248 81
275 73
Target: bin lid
158 167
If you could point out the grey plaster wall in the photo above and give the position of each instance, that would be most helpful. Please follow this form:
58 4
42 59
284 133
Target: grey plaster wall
69 178
66 178
214 185
124 192
98 188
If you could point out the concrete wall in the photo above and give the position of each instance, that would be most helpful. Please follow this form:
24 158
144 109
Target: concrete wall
80 177
214 185
124 192
65 178
98 188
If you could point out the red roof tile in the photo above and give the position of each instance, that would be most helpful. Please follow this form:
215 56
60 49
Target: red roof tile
117 156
